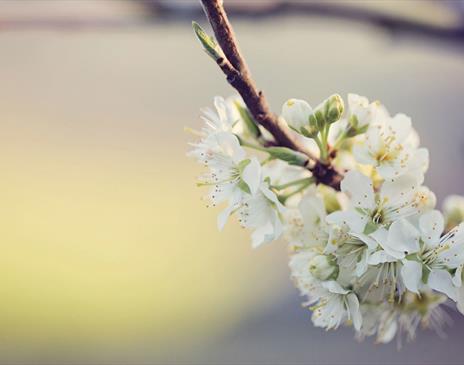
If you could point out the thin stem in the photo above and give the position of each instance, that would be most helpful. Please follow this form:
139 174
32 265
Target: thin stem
284 198
341 138
292 183
251 145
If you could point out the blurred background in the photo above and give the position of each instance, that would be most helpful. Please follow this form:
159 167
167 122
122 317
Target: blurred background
108 254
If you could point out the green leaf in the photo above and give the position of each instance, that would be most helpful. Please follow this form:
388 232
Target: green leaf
288 155
209 44
248 120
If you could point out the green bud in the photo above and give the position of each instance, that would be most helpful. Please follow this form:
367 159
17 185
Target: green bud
323 267
309 131
320 118
335 108
288 155
329 197
209 44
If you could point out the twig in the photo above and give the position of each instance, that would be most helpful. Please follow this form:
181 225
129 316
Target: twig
238 75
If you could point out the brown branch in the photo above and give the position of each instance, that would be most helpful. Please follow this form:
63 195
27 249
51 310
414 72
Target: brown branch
238 75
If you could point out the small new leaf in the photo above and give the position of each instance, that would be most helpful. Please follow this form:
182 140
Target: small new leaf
290 156
209 44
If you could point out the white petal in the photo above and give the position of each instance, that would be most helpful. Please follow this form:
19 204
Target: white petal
262 235
380 257
441 280
296 113
401 126
351 218
360 189
363 155
224 216
334 287
457 278
431 225
230 144
312 208
411 272
460 301
388 331
353 309
399 189
403 237
270 195
419 164
362 265
381 236
252 175
369 241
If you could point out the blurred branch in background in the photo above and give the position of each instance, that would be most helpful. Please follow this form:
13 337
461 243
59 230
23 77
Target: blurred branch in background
437 20
390 22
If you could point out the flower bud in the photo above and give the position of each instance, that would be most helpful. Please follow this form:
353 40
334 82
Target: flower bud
296 113
453 210
335 108
327 112
323 267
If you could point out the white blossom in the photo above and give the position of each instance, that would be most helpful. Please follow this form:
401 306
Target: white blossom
333 305
386 148
439 255
374 255
263 213
370 210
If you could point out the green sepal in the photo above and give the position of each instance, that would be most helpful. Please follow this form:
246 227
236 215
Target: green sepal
370 227
248 120
425 274
242 184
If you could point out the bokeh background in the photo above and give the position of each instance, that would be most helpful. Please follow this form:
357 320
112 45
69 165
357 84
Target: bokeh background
108 254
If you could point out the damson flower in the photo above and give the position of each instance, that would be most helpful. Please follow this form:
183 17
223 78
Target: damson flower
387 320
386 147
333 305
230 173
370 210
263 213
439 259
296 113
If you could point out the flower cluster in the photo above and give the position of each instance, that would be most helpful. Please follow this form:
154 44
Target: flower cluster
376 254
